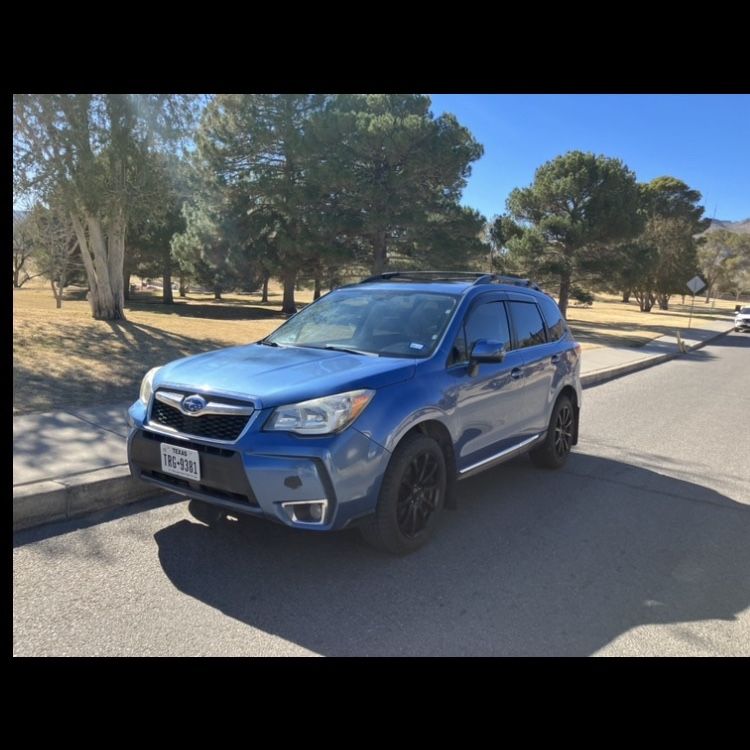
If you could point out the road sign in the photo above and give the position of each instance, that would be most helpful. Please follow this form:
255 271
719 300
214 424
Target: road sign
696 284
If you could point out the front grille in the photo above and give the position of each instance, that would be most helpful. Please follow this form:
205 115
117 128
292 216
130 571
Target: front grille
213 426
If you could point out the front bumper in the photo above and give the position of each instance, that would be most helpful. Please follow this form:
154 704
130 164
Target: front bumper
267 474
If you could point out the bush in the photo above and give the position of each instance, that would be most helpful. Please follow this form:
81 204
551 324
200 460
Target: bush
581 296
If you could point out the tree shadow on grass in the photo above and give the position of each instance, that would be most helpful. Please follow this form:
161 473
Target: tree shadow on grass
223 310
117 370
596 333
532 563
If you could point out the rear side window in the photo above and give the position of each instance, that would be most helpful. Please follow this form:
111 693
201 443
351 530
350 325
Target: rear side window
528 325
486 321
553 316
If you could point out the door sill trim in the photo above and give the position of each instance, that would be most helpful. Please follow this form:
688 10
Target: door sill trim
503 455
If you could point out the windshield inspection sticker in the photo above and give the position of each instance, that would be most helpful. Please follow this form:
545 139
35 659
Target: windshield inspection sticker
416 346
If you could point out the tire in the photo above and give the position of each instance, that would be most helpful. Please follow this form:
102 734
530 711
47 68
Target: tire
411 498
205 512
553 452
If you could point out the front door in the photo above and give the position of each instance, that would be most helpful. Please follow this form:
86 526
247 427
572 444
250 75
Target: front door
487 409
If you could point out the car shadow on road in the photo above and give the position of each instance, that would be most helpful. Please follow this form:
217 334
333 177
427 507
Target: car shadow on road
533 563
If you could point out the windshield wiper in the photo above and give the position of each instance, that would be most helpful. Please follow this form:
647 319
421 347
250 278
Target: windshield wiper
335 348
266 343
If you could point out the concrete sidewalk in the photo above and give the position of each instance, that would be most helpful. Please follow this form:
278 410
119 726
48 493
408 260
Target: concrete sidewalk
68 463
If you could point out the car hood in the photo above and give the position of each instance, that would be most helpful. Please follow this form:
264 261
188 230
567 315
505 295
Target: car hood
276 375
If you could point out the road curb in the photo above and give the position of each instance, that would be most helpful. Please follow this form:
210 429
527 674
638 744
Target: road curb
70 497
57 500
610 373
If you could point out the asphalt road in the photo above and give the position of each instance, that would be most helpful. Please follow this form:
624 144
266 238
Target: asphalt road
640 546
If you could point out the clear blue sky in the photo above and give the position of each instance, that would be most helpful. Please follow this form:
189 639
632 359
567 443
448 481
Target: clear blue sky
703 140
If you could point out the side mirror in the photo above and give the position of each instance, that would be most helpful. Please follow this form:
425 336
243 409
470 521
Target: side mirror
485 350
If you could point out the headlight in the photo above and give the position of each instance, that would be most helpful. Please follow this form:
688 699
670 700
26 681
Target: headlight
147 385
320 416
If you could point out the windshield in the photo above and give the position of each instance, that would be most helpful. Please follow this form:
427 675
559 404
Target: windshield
371 321
745 311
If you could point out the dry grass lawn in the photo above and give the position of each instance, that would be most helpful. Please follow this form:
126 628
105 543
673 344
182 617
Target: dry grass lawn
609 322
65 359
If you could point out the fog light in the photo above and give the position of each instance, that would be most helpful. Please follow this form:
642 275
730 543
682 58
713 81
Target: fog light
306 511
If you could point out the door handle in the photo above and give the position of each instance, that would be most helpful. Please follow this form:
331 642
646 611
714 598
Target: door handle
555 359
515 373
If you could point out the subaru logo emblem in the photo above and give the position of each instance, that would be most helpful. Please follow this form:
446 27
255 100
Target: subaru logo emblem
193 404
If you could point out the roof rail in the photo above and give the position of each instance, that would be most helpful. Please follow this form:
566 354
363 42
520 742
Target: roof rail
431 275
475 277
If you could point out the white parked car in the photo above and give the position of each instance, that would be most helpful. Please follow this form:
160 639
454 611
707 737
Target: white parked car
742 319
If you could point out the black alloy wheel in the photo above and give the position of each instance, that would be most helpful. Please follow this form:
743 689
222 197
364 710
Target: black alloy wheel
419 493
411 498
553 452
564 425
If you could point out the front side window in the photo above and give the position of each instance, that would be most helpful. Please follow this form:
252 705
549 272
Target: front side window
528 326
486 321
401 323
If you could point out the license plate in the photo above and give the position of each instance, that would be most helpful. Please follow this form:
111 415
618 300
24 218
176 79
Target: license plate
181 462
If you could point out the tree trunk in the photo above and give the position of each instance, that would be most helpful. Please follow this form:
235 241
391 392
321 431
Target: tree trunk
288 305
183 288
316 291
564 293
126 290
266 277
626 295
663 301
708 293
683 299
167 296
102 259
57 295
116 261
217 293
379 256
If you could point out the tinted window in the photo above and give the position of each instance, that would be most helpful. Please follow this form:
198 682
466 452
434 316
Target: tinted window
527 324
553 317
487 321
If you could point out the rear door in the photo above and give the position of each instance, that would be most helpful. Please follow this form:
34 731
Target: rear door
486 405
539 361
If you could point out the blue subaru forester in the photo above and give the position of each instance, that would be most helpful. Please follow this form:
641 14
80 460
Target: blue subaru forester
367 406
